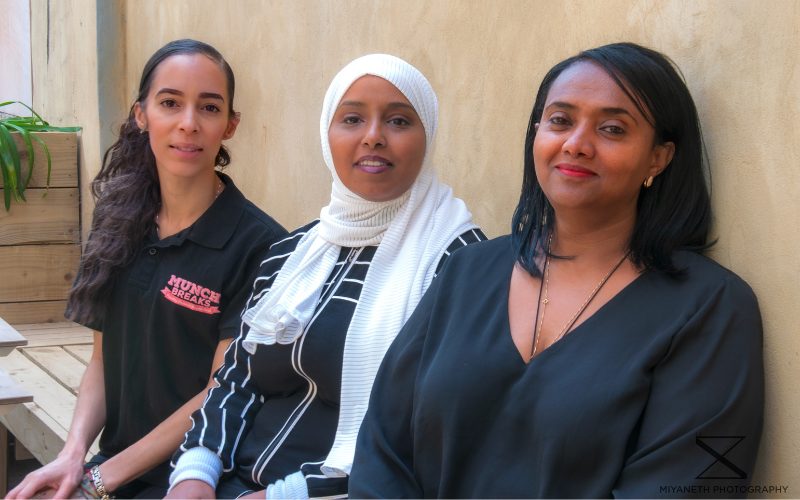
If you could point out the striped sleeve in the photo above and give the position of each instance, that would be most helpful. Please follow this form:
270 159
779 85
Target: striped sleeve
233 402
462 240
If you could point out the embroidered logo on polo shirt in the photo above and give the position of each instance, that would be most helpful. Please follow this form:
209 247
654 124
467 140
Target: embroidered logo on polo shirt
191 295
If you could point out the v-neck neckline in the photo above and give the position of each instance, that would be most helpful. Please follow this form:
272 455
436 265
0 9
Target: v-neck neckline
558 344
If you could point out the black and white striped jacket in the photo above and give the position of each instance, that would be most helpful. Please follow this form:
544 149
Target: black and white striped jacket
275 412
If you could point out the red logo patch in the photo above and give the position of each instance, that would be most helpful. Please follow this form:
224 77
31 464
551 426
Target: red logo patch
191 295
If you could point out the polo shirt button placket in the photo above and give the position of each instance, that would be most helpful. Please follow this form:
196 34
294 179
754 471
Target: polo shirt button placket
153 251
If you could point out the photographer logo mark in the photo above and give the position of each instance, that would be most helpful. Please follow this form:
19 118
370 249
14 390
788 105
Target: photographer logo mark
726 469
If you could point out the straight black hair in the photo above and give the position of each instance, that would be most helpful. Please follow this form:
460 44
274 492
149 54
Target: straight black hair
675 212
127 194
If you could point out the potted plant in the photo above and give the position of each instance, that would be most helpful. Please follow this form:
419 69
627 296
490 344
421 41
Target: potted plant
40 238
15 178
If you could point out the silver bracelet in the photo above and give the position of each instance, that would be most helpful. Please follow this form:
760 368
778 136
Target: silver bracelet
97 480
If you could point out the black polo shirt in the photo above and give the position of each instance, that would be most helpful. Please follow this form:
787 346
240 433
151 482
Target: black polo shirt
167 312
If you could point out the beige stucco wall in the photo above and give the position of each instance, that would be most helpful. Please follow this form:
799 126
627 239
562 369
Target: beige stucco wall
485 59
15 47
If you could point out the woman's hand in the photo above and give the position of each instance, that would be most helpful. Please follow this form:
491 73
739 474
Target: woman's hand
48 493
62 475
191 488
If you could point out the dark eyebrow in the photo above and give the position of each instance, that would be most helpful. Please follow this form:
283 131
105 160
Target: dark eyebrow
211 95
619 111
560 105
203 95
360 104
351 103
608 111
401 105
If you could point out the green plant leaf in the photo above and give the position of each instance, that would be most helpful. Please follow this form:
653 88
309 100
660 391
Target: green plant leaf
34 123
6 186
49 161
14 185
50 128
26 138
18 189
7 149
30 108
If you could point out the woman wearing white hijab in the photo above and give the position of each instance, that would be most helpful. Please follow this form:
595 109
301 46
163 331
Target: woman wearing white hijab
330 298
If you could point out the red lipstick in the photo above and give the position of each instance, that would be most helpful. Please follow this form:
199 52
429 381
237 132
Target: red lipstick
575 171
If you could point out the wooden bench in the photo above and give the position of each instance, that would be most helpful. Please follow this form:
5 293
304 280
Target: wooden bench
50 368
11 393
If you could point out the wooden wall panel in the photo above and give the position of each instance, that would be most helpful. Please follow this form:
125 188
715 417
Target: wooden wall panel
45 311
37 272
49 216
40 238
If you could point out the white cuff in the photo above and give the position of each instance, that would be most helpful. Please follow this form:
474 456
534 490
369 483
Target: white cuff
198 463
292 486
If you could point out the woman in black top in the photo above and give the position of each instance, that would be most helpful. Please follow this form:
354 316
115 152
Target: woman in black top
595 352
173 244
330 298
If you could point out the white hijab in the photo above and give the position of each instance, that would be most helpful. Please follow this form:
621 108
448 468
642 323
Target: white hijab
412 232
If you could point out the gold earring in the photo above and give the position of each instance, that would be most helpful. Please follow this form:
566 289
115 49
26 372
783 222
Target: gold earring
648 182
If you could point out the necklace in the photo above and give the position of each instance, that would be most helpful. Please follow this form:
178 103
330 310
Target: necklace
220 187
543 301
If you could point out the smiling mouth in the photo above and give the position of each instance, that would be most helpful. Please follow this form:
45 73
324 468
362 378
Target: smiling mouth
186 148
373 165
574 171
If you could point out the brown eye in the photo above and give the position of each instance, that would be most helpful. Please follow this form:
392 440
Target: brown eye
399 122
614 130
558 121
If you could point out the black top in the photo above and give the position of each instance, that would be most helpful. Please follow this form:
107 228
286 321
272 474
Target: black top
637 401
167 314
277 410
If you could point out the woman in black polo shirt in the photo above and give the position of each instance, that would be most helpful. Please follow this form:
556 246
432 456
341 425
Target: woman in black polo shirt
330 298
172 242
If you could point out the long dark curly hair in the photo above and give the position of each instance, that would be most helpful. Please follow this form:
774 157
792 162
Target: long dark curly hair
675 213
127 196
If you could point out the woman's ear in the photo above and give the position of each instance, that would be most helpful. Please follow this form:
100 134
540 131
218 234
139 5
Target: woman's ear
138 115
662 155
233 122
